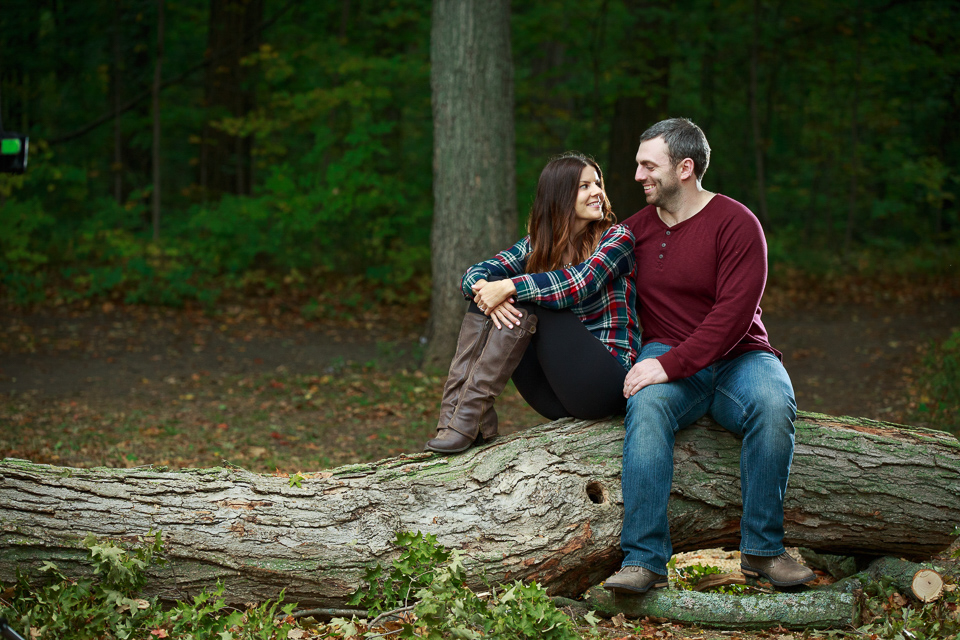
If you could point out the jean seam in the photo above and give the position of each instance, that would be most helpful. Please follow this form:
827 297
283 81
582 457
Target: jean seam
763 553
642 565
745 479
686 409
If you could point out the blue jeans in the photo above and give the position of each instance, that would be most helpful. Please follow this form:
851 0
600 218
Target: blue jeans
750 396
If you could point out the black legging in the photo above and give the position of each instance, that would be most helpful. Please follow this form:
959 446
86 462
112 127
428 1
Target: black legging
566 371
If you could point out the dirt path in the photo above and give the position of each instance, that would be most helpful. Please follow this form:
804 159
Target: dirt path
844 360
858 360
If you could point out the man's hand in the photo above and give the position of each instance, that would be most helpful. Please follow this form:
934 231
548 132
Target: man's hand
644 373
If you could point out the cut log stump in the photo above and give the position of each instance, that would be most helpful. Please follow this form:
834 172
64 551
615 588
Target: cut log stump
544 503
921 582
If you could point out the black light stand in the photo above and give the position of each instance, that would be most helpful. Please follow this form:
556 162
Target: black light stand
7 632
13 151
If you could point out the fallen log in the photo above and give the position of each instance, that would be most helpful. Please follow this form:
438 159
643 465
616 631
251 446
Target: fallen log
839 567
544 503
804 610
921 581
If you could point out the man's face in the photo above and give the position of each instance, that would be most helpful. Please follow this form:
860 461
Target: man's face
661 184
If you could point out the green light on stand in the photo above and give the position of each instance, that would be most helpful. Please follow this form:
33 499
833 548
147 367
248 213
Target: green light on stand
13 152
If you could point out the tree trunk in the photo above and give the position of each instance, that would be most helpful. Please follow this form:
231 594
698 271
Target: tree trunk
155 199
633 112
116 83
544 503
854 141
755 126
225 165
474 182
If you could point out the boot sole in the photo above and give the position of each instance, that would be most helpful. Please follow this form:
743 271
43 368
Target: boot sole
478 441
755 573
622 588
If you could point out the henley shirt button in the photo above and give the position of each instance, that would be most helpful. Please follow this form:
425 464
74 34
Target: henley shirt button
661 256
668 233
663 244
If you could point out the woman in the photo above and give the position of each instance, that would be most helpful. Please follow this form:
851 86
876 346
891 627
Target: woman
554 311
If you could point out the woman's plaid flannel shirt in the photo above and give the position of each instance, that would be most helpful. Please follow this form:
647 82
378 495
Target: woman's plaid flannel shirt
600 290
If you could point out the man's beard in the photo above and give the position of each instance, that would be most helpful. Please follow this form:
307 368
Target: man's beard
666 195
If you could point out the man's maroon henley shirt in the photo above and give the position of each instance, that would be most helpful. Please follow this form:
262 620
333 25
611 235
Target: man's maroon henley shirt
699 284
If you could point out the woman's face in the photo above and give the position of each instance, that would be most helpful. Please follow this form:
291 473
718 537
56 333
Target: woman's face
589 199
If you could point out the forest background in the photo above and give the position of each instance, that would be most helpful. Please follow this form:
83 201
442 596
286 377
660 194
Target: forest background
207 176
189 154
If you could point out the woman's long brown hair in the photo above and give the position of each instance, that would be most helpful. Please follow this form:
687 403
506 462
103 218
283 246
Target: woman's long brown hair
554 210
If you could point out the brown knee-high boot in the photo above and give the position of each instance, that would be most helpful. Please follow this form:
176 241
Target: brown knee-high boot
474 331
474 414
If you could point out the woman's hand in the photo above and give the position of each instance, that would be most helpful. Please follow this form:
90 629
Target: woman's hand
490 295
506 315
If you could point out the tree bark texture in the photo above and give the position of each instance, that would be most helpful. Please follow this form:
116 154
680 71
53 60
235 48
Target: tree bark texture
544 503
805 610
474 182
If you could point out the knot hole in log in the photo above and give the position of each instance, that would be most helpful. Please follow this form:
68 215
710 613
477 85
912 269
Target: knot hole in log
597 492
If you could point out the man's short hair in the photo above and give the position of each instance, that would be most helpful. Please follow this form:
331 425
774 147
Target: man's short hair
684 140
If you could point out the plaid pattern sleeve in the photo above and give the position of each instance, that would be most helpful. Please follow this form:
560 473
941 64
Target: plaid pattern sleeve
600 291
569 287
508 263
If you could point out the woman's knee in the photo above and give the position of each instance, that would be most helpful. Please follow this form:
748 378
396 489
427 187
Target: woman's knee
595 407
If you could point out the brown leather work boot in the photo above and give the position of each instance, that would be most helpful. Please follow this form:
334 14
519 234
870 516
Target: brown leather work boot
474 416
781 570
635 580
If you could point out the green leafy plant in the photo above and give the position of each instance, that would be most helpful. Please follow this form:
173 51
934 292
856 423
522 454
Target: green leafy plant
412 571
446 607
108 604
894 617
69 608
690 576
939 383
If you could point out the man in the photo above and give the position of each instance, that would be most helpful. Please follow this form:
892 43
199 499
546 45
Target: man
701 270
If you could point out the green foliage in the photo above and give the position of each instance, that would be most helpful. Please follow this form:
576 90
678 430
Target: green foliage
688 577
894 617
21 256
69 608
208 617
106 605
340 173
412 571
447 608
939 382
